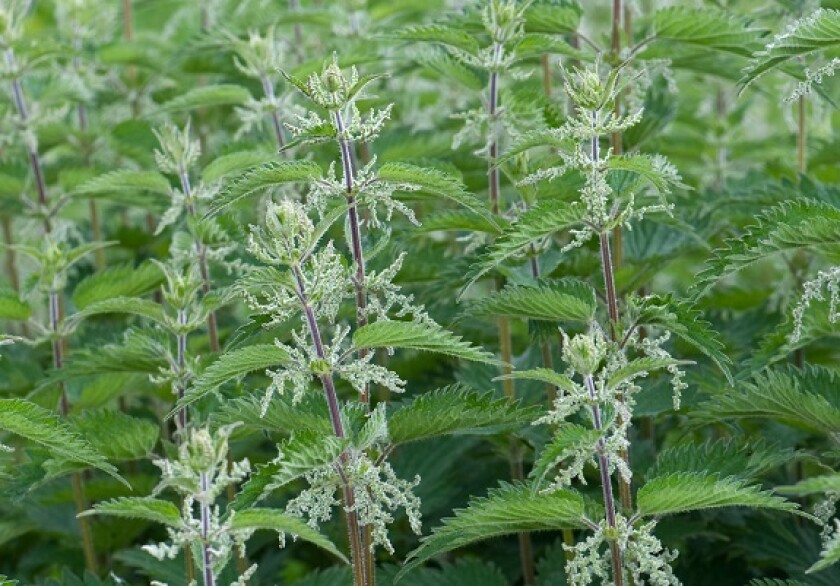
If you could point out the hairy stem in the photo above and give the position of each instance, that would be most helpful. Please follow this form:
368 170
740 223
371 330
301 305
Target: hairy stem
207 558
268 89
612 305
606 482
361 577
526 555
355 234
34 157
201 253
11 257
182 387
801 136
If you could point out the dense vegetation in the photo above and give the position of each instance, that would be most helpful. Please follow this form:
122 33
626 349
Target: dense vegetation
438 292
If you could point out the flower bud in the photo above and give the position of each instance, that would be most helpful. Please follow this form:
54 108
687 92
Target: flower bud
584 353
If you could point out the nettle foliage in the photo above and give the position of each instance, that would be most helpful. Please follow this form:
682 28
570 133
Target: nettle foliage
355 292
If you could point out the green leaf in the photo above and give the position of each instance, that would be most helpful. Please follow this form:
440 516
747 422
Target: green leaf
639 367
460 220
417 336
685 322
683 492
795 225
814 485
561 300
645 167
233 365
116 435
544 375
450 38
127 180
140 352
46 429
538 44
128 305
436 183
816 32
540 222
206 96
455 410
274 520
13 307
552 17
568 439
707 27
302 453
262 178
145 508
117 281
506 510
724 457
237 162
282 415
808 398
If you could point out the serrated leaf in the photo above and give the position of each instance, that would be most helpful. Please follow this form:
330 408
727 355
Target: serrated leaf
206 96
145 508
544 375
262 178
237 162
302 453
538 223
506 510
274 520
446 36
807 397
568 439
707 27
282 415
796 225
127 180
680 493
117 281
436 183
724 457
639 367
552 17
458 410
233 365
417 336
46 429
828 483
816 32
561 300
685 322
128 305
116 435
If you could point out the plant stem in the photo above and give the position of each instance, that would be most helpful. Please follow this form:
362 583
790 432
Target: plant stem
182 387
612 309
268 90
615 138
204 507
34 157
606 482
801 136
11 257
355 235
361 577
201 252
526 553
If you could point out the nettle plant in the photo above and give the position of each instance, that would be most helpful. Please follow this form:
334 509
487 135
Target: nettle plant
254 253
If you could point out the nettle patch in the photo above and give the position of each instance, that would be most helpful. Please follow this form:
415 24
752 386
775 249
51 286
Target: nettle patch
472 293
